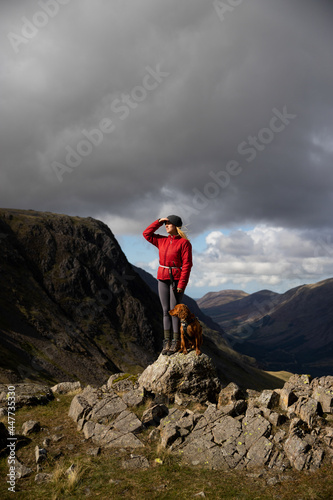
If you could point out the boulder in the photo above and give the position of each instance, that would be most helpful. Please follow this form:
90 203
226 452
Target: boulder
29 427
21 470
105 419
268 399
153 415
188 374
135 462
230 394
322 391
65 387
40 455
27 394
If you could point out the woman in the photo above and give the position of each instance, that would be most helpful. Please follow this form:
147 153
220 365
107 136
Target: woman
175 257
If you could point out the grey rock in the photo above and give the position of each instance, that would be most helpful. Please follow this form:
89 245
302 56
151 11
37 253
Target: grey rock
279 436
190 375
322 391
173 415
287 398
122 386
296 449
21 470
153 415
135 462
269 399
229 394
226 429
94 452
57 437
169 434
134 397
154 435
308 409
328 437
278 460
276 419
107 408
127 422
89 429
115 439
65 387
80 406
260 452
299 383
114 377
40 455
317 457
42 477
254 428
30 426
231 434
194 451
27 394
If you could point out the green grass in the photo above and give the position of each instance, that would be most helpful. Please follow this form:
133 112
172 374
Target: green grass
104 477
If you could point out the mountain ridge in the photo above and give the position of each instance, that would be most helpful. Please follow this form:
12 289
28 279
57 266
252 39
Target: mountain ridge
291 331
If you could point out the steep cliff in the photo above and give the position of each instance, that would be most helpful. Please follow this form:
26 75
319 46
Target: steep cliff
71 306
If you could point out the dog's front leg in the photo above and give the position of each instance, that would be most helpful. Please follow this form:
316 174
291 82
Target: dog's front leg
182 342
197 345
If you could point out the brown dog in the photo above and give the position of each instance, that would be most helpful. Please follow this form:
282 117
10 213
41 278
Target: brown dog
190 329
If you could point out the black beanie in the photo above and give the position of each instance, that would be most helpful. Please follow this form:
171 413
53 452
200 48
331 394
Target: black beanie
175 220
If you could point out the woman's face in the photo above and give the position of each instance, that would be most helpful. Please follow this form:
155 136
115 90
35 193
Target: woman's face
170 228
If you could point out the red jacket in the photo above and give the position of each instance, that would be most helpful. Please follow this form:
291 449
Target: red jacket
174 251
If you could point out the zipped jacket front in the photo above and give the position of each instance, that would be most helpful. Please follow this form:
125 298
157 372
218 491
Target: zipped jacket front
174 252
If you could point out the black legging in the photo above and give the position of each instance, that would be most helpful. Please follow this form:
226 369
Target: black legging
168 302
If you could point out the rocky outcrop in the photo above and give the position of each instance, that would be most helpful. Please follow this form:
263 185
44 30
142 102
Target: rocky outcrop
239 430
190 375
26 394
104 418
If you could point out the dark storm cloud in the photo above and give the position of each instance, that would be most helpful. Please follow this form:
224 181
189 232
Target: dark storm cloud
155 98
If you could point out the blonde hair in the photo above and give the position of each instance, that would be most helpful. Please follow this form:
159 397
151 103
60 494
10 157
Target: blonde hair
181 233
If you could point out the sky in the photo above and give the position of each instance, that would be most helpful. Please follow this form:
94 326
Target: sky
217 111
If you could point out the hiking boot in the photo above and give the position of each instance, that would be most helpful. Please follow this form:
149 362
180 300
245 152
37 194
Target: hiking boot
175 347
166 347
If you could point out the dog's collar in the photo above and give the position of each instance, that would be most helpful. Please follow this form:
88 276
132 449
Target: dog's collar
186 323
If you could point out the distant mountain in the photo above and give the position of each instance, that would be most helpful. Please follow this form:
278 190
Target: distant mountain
231 314
216 299
73 308
291 331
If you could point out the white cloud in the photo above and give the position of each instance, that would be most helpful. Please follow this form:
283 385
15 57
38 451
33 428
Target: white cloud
268 255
